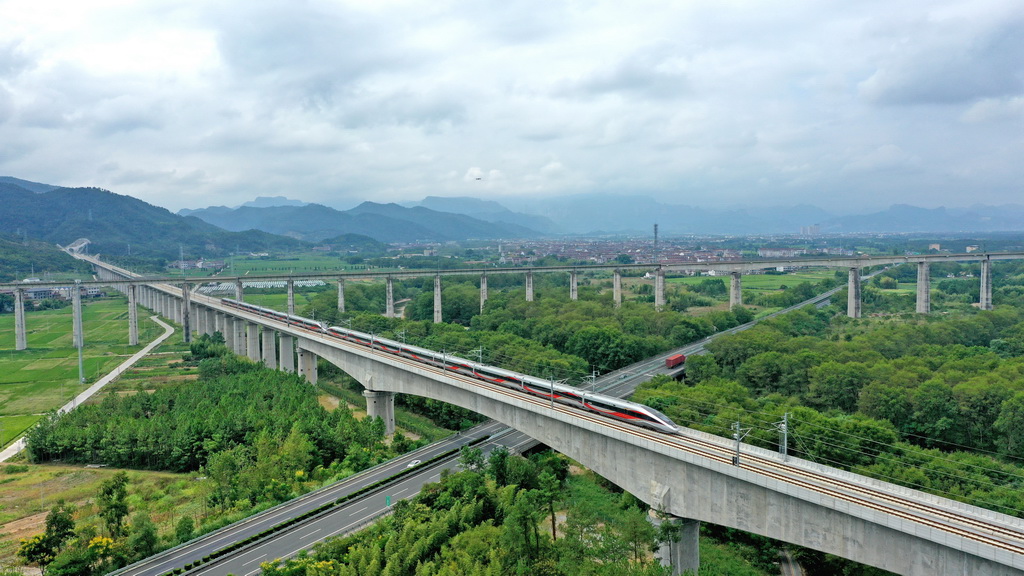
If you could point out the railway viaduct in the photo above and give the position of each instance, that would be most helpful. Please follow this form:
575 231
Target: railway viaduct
692 476
189 315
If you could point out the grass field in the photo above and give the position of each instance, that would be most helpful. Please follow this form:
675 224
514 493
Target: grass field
45 376
763 281
279 301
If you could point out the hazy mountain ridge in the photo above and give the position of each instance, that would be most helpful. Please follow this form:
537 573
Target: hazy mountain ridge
30 186
120 225
489 211
382 222
586 213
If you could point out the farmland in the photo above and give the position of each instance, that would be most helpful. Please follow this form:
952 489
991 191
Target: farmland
45 376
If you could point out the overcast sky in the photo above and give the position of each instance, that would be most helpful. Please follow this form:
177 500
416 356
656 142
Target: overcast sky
850 106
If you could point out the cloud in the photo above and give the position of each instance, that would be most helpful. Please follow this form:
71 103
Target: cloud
187 102
995 110
656 72
948 62
885 157
13 59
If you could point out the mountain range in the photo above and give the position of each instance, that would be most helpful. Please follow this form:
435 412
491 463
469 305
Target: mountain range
384 222
119 225
594 215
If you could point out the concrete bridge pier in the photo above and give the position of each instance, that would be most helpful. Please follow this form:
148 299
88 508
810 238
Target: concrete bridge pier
239 291
617 288
252 341
683 552
186 313
286 343
341 294
574 293
291 296
659 289
924 287
20 333
269 352
438 318
239 337
211 322
133 315
227 330
853 294
483 291
529 286
389 298
307 365
76 315
196 316
381 405
736 290
985 299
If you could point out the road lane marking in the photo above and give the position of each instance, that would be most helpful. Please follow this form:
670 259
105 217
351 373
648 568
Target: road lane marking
308 535
255 560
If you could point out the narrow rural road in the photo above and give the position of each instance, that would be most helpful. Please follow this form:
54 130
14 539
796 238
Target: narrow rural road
19 445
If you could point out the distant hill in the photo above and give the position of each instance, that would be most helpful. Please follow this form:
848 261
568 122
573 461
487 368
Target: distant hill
622 214
30 186
382 222
904 218
355 243
271 201
118 224
488 211
626 214
21 259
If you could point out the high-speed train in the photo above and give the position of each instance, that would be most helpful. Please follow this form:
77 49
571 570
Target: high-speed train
630 412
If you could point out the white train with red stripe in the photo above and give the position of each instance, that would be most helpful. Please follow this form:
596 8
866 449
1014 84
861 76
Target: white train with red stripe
630 412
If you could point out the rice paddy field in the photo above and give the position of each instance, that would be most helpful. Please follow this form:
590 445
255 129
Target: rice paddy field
45 376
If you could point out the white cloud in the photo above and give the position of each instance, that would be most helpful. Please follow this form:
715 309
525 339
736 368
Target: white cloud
996 110
187 103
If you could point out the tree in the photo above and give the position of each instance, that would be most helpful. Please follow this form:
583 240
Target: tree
1010 425
549 489
497 465
76 562
143 538
471 458
184 530
113 503
638 533
835 385
37 550
60 524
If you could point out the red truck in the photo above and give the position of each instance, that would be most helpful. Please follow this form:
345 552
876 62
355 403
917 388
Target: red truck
675 360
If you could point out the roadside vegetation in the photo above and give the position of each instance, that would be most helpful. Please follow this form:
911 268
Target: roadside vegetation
509 515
